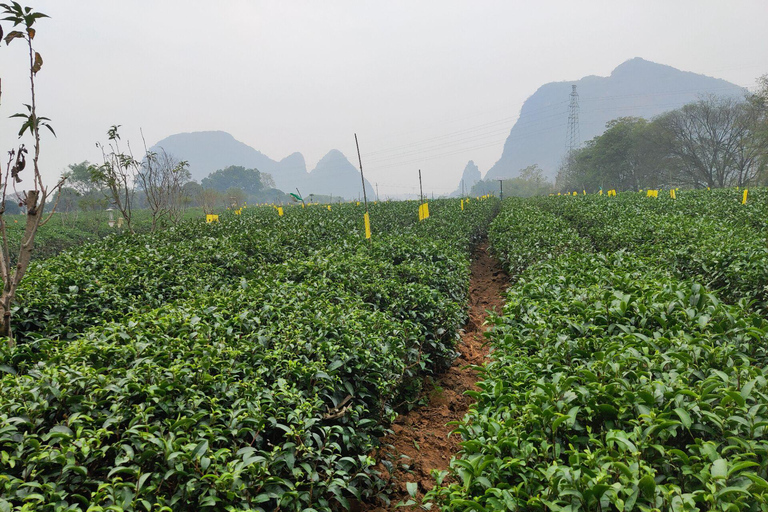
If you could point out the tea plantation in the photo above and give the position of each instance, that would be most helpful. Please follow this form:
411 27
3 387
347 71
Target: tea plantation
254 363
248 364
630 366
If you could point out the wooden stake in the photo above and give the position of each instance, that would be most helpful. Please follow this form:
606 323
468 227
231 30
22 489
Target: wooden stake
362 179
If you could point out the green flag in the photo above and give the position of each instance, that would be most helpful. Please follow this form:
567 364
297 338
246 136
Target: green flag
296 197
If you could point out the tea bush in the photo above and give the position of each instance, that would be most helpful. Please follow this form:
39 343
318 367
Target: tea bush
613 384
249 365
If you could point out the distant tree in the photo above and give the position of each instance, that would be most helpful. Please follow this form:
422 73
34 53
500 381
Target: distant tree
68 202
757 105
267 181
87 194
533 173
209 198
161 178
117 175
619 158
247 180
704 137
748 152
190 193
235 197
79 178
530 182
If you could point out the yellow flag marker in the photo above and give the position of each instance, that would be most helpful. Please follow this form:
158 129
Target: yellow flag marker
744 199
367 225
423 211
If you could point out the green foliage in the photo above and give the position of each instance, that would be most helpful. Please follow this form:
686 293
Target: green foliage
622 158
249 364
237 177
707 235
712 142
616 383
530 182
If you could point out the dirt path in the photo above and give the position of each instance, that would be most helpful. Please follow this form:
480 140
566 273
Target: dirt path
422 435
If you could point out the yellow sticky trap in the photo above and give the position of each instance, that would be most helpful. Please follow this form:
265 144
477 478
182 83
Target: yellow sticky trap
279 211
558 193
211 218
744 199
462 205
672 194
601 192
426 210
421 212
584 192
367 220
329 207
358 203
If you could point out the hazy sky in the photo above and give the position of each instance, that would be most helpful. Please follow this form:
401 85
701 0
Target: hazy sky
425 85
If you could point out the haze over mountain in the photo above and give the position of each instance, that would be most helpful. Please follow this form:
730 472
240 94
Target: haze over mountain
636 87
469 177
209 151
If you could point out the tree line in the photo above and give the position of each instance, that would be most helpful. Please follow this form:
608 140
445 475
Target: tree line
712 142
158 182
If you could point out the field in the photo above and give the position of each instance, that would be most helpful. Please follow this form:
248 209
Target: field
255 363
71 229
629 364
248 364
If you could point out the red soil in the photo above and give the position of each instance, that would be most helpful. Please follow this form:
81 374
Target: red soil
422 435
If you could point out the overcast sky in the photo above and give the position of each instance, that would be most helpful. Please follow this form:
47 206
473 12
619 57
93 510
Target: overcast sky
425 85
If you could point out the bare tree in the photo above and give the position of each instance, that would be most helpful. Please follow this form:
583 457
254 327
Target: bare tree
68 201
210 199
703 136
235 197
117 174
34 199
267 181
161 178
748 156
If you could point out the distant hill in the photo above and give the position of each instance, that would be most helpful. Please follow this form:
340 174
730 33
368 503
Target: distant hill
635 88
469 177
207 152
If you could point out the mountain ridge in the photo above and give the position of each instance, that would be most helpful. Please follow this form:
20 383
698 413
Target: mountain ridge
636 87
208 151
